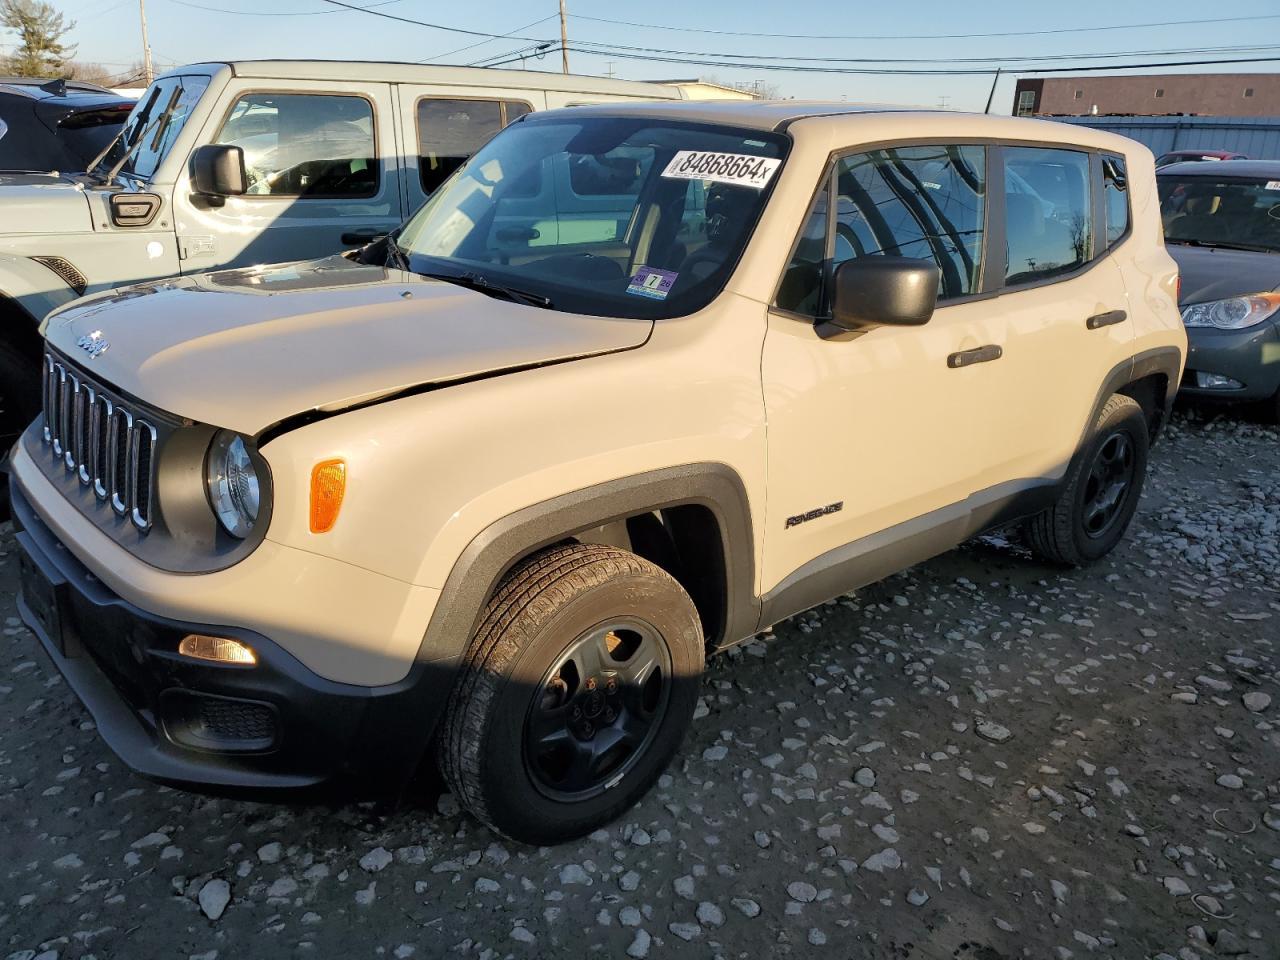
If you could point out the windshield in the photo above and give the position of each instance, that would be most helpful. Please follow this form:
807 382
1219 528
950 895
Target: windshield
1236 212
600 215
147 123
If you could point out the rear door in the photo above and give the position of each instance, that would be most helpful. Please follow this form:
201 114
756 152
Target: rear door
1062 310
444 125
322 163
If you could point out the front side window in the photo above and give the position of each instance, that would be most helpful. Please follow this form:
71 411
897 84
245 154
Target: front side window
1048 222
664 212
926 203
1238 212
1115 193
451 130
304 144
154 124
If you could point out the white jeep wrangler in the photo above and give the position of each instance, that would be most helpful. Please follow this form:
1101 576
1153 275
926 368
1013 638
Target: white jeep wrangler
488 493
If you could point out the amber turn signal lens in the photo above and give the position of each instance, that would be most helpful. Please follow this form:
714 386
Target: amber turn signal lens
198 646
328 486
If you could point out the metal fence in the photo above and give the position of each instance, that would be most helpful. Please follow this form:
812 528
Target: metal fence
1256 137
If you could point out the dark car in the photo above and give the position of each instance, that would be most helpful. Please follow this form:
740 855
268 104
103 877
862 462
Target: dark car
1196 156
1222 225
56 124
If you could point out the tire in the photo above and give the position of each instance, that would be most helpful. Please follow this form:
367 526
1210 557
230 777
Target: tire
1103 486
545 738
19 393
19 405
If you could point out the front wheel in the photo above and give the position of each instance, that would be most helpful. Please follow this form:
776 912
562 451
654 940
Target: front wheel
1102 489
578 689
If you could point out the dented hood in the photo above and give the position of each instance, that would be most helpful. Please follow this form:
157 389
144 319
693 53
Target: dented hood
245 349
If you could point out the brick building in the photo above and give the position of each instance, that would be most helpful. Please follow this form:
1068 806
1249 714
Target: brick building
1203 94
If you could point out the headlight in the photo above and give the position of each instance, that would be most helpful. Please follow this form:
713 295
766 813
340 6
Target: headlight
1234 313
234 488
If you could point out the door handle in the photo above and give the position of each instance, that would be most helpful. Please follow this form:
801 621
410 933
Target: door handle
359 238
967 358
1106 319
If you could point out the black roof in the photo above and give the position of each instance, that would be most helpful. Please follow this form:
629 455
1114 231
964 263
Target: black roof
1248 169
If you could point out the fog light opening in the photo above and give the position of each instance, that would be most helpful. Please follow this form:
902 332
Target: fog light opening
198 646
1216 381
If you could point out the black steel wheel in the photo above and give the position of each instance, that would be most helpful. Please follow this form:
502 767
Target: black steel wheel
1111 475
1100 491
597 709
577 691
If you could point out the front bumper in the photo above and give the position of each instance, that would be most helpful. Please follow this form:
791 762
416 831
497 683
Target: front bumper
1251 357
276 726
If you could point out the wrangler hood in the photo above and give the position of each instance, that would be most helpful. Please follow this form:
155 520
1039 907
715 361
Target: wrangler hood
42 203
245 349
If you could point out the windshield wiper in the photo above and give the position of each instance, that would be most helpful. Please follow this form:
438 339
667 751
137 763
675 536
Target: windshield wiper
477 282
1223 244
395 256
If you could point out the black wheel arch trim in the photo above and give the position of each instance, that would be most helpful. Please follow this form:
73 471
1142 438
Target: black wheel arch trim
497 548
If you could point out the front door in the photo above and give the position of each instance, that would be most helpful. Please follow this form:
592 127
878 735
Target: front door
323 176
879 433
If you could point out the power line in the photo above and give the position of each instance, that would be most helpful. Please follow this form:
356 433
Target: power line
689 57
909 71
923 36
424 23
274 13
1187 51
481 43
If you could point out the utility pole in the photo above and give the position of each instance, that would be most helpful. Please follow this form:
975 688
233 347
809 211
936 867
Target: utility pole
564 41
148 71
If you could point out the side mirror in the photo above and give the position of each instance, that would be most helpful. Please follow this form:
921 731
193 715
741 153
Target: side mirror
876 291
217 170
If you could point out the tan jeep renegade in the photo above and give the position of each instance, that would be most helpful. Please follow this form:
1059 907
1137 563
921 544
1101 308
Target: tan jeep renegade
637 382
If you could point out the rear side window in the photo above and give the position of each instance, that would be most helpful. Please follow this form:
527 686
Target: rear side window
451 130
304 145
925 202
1115 196
1048 219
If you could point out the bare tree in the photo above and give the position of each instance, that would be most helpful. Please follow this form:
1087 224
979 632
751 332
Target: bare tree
40 28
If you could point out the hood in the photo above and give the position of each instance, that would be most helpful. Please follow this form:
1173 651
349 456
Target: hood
1215 273
42 203
245 349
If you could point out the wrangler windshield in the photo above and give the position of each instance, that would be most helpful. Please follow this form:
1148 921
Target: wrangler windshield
1237 212
601 215
148 132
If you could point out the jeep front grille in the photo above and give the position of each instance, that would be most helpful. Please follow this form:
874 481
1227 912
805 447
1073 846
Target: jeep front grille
103 440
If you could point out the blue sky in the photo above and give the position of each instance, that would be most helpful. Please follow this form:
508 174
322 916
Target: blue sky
107 33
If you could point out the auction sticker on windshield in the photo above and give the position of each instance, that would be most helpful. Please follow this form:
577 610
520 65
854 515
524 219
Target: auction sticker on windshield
736 168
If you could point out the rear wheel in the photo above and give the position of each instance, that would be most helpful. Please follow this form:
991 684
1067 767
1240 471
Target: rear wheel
1102 489
579 687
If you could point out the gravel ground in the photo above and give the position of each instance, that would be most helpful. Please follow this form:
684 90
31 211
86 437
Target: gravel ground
982 758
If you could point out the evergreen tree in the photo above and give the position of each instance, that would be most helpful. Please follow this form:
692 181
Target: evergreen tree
40 29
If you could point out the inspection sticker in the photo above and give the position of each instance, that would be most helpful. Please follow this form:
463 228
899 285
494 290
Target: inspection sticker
737 168
652 283
1273 184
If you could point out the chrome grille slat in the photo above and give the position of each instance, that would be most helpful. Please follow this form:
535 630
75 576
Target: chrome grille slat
102 440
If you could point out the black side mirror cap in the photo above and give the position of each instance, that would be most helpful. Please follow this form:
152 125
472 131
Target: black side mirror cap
217 170
884 291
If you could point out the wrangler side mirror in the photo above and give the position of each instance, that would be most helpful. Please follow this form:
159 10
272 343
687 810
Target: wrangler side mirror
217 170
877 291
